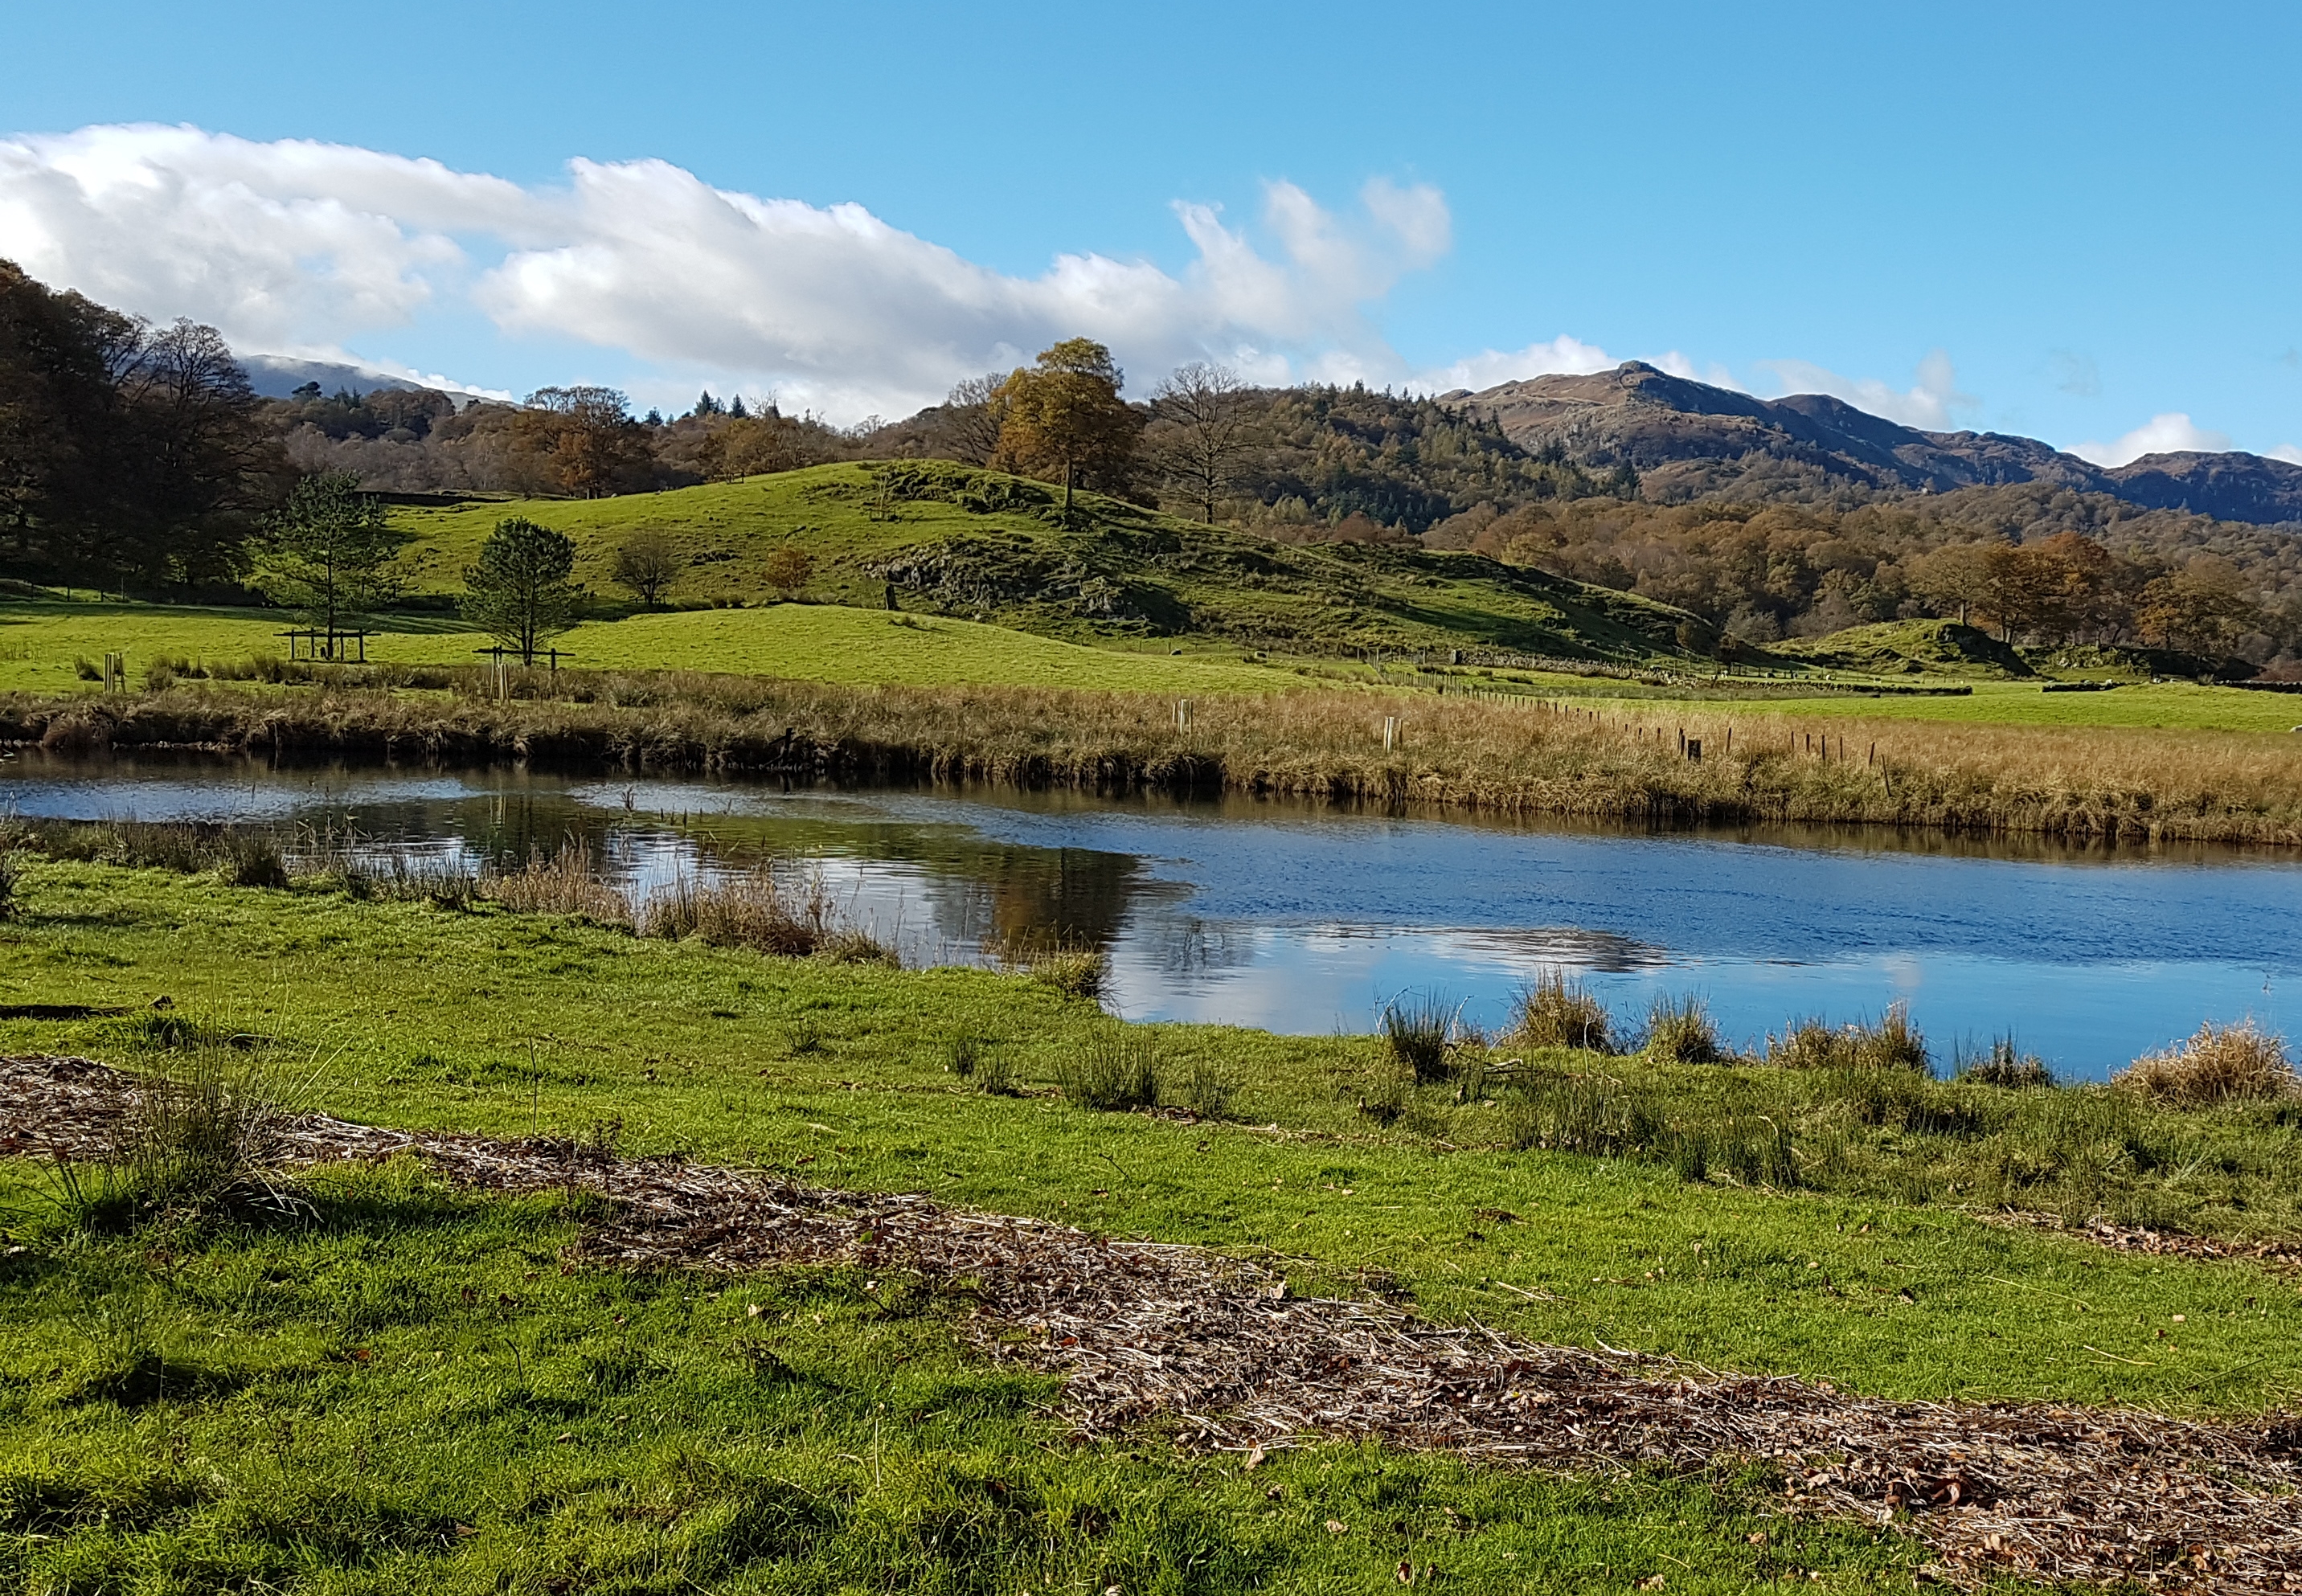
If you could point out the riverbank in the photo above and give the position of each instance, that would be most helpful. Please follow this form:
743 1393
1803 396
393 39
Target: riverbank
448 1379
1521 755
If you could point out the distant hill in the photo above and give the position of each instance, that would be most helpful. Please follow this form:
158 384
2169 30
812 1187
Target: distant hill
1689 441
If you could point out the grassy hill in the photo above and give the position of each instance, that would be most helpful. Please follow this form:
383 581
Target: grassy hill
976 544
1909 648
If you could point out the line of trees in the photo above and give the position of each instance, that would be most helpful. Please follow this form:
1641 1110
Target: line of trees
128 452
2032 564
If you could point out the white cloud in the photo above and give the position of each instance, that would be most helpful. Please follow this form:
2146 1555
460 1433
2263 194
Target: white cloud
2285 452
2169 434
1490 367
308 249
1678 366
1927 406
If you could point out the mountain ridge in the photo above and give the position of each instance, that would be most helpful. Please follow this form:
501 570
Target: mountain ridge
1689 440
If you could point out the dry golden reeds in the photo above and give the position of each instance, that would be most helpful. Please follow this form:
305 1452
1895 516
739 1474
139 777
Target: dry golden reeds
1522 756
2221 1063
756 911
563 881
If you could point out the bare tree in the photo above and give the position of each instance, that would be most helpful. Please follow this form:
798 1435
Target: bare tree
1204 434
967 428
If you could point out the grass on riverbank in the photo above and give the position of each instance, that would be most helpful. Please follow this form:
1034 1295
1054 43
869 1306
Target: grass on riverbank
405 1388
407 1392
1523 756
1866 1272
977 543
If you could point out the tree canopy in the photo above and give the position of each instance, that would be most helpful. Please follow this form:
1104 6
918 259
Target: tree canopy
1064 421
127 451
521 591
330 550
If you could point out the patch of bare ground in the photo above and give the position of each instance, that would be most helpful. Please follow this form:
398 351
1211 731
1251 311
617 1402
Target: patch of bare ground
2163 1244
1216 1351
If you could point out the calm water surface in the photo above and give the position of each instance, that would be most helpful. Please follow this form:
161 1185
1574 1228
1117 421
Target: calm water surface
1302 918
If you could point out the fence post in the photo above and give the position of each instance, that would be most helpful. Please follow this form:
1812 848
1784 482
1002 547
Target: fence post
1182 714
1390 733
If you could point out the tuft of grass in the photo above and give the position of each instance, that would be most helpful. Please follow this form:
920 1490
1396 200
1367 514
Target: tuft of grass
1417 1031
1080 972
1208 1087
1112 1071
199 1137
1681 1031
756 911
962 1053
994 1075
565 881
2221 1063
1559 1012
1387 1093
1891 1042
2005 1065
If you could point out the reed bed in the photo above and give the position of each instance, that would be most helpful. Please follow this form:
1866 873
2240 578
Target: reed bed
1522 757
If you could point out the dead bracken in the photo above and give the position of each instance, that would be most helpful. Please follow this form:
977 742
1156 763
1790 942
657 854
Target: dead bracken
1216 1351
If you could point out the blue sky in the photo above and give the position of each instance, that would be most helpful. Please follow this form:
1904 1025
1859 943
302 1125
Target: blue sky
2057 220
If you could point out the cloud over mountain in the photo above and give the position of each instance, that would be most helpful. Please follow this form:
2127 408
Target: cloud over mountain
306 249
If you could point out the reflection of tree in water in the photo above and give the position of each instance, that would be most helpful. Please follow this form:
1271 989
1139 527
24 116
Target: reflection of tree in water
978 892
1186 946
507 829
1075 897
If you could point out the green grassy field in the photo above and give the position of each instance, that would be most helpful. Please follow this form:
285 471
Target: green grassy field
410 1392
40 642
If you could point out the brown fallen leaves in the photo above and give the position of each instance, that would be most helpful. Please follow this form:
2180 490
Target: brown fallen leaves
1217 1352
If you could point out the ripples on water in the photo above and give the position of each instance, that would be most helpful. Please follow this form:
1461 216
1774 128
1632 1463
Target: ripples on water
1304 918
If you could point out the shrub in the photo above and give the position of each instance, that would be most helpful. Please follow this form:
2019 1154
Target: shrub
1558 1012
1680 1031
1115 1070
2221 1063
1417 1033
12 881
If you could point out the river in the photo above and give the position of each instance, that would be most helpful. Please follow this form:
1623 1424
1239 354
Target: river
1302 917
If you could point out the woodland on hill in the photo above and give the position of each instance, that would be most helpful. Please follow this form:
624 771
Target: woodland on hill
131 454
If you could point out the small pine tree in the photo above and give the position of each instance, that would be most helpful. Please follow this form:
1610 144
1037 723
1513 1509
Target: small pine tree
736 408
330 550
521 591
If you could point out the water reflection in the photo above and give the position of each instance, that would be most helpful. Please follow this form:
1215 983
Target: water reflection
1305 918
